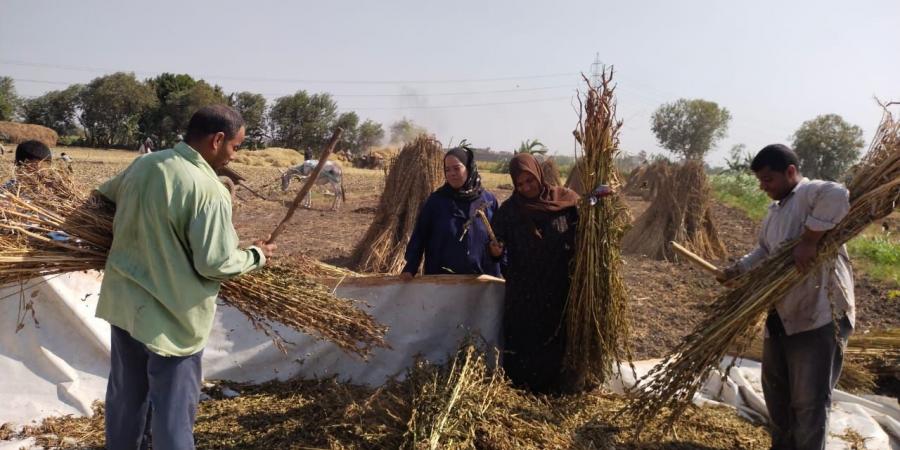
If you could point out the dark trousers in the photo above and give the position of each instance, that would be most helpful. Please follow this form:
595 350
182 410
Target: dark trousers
148 389
799 373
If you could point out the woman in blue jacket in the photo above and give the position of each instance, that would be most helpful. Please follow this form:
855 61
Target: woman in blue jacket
448 232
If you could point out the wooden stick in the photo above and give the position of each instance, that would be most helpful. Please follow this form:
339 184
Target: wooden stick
487 225
308 185
238 180
696 259
252 191
231 173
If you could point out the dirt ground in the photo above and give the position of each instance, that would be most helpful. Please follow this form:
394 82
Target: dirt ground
669 298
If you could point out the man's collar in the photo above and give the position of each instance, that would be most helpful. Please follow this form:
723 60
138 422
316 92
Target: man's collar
188 153
780 203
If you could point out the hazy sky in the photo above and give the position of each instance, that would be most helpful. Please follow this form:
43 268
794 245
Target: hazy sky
495 73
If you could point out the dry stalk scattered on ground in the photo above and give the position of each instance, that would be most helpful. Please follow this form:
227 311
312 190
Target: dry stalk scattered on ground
734 317
680 211
596 314
414 174
49 226
462 404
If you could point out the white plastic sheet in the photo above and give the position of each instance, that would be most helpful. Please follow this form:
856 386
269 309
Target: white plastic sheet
60 365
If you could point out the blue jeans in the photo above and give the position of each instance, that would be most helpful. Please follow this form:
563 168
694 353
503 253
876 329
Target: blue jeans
799 373
148 389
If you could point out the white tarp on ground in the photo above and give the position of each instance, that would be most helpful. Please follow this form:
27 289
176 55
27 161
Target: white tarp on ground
60 366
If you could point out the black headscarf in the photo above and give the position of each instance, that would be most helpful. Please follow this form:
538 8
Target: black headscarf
471 189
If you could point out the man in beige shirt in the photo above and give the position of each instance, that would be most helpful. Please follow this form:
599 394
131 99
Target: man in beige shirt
807 330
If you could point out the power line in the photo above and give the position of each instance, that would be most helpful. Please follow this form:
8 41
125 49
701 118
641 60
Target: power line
407 95
472 105
296 80
29 80
446 94
438 94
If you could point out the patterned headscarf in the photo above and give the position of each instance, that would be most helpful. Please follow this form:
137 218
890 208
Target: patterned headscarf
551 198
471 189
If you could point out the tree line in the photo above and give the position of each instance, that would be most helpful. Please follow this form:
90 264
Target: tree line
119 111
827 145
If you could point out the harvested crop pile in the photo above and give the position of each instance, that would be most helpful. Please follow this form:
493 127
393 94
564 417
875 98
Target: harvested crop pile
463 404
680 212
644 180
21 132
551 172
413 175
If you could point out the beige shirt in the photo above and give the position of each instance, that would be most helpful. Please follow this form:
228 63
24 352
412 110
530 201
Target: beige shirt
817 205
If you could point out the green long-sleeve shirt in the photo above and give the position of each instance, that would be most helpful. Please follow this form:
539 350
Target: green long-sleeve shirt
173 244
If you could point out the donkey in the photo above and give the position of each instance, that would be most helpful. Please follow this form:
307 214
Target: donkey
331 175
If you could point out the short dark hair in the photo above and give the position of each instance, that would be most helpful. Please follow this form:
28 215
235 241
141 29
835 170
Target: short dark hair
32 151
214 119
776 157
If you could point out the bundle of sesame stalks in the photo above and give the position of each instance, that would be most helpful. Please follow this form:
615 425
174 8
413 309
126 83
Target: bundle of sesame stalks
878 351
680 211
49 226
413 175
551 172
596 316
733 319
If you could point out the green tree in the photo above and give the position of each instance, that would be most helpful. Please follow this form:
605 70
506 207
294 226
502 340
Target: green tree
349 122
111 106
178 96
370 134
55 109
187 102
160 122
738 159
405 130
302 120
252 108
9 101
827 146
532 146
690 128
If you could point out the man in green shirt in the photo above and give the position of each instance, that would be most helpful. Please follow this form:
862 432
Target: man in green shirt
173 245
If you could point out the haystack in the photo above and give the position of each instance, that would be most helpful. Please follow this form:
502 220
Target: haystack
551 172
596 314
680 212
50 226
573 181
20 132
413 175
645 179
